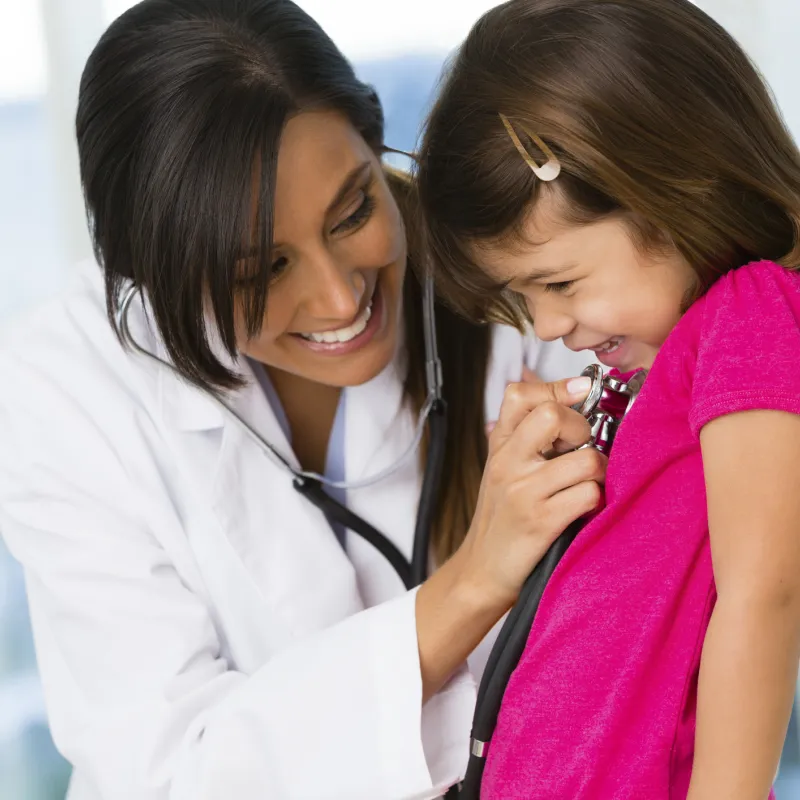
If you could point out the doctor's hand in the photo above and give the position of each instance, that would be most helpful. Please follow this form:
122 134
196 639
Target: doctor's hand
527 497
528 376
526 500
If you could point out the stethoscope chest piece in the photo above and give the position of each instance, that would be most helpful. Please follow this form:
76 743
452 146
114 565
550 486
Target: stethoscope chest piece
607 403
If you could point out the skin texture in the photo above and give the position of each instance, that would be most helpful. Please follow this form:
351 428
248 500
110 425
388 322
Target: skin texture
588 284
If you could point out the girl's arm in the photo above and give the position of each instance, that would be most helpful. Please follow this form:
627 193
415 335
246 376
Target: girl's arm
750 656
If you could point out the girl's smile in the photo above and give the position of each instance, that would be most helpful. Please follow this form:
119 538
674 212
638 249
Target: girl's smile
591 285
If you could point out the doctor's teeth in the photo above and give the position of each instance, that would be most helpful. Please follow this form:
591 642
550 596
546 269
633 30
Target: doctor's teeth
343 334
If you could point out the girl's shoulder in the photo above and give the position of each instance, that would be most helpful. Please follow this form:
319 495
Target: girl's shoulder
761 296
745 337
753 284
749 310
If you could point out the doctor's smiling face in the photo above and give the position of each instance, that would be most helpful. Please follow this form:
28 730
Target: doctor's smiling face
337 262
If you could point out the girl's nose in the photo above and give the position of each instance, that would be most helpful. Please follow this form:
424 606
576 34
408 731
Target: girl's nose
550 322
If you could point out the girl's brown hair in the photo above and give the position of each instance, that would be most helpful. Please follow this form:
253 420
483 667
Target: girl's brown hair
656 115
464 351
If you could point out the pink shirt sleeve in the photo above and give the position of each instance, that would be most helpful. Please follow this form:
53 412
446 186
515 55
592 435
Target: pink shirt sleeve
748 348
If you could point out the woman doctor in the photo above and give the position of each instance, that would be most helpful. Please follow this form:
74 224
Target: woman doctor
202 630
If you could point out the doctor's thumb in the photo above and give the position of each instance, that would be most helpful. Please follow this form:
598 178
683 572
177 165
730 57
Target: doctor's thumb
570 391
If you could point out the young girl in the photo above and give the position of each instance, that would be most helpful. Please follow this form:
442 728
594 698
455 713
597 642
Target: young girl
617 169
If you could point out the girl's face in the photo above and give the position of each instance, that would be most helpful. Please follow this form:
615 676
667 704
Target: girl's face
590 286
334 306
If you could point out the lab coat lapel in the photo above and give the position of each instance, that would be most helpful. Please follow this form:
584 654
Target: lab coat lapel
285 544
270 560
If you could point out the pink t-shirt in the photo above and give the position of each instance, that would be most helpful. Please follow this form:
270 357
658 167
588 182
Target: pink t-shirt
602 705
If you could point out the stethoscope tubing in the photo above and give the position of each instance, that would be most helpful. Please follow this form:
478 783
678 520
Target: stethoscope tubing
312 486
503 660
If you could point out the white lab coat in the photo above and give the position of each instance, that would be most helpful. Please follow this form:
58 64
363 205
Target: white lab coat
201 634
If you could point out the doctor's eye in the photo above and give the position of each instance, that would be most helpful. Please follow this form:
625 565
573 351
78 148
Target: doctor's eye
559 288
358 217
249 278
278 267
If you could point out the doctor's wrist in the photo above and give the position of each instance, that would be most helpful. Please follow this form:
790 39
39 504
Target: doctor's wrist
454 613
477 585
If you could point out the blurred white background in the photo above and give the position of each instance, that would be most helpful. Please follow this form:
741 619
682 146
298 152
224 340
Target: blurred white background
399 47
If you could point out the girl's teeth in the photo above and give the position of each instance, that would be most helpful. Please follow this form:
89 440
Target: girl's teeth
610 346
343 334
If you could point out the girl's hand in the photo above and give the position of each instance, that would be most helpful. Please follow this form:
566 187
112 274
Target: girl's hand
527 499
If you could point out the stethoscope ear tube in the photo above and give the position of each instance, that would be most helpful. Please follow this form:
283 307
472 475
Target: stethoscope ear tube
429 495
503 660
437 436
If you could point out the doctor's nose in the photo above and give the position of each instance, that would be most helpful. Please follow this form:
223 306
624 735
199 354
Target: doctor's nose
335 293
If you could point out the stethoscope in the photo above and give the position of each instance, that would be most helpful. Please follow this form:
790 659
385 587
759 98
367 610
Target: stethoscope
605 407
311 485
608 402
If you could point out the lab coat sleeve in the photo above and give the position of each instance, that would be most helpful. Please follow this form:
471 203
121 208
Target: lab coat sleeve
139 695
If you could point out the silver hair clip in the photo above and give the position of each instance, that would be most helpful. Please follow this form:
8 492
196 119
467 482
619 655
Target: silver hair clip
548 171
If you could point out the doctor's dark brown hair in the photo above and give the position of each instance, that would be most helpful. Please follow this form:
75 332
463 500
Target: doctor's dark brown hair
178 101
656 115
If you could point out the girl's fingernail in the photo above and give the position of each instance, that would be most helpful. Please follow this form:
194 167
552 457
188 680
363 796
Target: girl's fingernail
579 386
490 427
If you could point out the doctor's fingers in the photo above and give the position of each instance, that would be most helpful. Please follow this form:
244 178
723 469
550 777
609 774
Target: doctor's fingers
549 479
547 426
520 399
533 484
570 504
528 376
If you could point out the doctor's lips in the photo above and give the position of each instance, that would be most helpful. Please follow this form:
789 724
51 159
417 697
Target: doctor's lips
351 338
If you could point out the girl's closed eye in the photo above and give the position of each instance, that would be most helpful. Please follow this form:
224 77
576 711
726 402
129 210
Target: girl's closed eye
358 217
559 287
